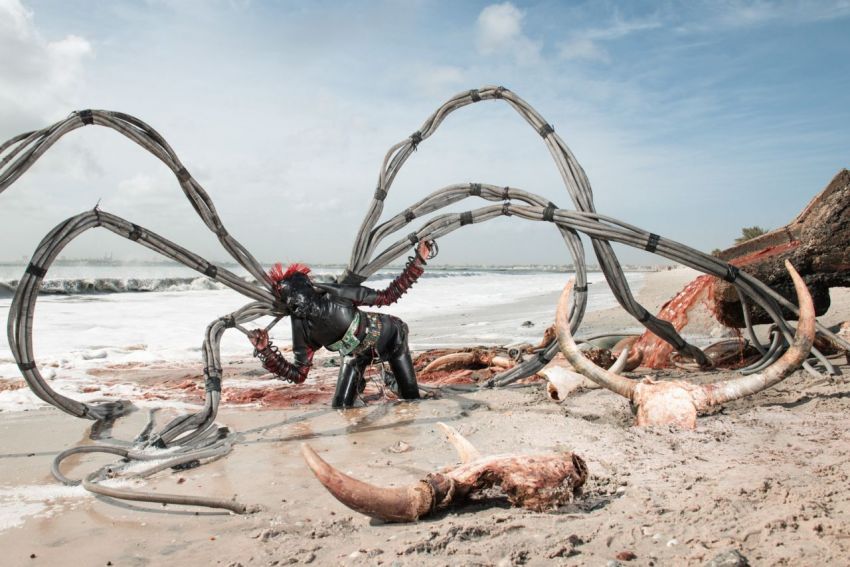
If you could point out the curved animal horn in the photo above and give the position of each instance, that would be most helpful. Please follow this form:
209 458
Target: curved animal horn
402 504
621 361
719 393
604 378
465 450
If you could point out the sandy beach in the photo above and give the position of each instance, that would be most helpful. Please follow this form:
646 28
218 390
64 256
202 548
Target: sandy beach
767 477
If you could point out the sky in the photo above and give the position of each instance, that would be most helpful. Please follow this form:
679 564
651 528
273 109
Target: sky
692 119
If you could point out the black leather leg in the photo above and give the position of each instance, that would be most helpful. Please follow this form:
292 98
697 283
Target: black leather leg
405 377
348 383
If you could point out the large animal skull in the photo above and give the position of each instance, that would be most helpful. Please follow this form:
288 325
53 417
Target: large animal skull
678 402
536 482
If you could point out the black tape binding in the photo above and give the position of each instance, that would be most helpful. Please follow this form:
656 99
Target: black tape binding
475 95
380 194
222 232
731 273
545 130
86 116
499 91
549 212
466 218
475 189
506 194
506 209
409 215
24 366
416 138
229 322
211 271
36 271
213 381
541 355
580 288
135 233
412 237
645 317
183 175
652 242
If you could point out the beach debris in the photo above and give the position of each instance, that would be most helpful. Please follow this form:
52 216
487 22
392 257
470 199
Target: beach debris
678 402
469 359
535 482
815 242
561 381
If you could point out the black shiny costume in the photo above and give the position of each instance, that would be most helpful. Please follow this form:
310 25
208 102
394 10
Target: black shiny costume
321 314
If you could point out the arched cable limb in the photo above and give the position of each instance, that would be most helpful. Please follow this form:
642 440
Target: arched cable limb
22 151
22 309
575 181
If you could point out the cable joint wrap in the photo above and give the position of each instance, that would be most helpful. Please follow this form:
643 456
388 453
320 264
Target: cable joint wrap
499 92
545 130
36 271
25 366
413 238
466 218
409 215
86 116
652 242
183 175
475 189
580 288
506 209
416 139
731 273
211 271
213 381
474 95
380 194
549 212
135 233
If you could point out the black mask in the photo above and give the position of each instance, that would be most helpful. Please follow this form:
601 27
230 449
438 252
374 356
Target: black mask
299 295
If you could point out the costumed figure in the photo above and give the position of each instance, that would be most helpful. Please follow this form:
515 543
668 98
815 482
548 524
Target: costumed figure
327 315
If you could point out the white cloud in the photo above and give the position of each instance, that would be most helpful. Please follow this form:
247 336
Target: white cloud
38 77
438 80
583 48
499 31
586 45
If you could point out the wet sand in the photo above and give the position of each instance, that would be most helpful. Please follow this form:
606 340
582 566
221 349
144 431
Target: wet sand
767 476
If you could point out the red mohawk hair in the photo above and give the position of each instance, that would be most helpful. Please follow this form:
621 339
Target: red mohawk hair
277 273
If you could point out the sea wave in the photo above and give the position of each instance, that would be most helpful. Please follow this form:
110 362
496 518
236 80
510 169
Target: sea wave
96 286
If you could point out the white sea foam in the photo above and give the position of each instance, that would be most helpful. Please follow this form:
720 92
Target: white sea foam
19 502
